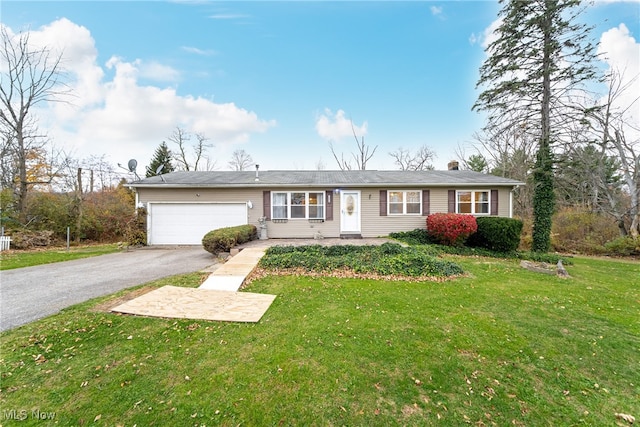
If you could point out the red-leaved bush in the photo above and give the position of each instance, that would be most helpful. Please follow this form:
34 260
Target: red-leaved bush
450 228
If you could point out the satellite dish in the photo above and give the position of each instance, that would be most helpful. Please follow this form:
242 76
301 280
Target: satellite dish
158 170
133 163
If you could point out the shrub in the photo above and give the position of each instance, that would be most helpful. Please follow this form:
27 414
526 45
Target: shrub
450 228
419 236
497 233
27 239
582 231
136 229
389 259
623 246
223 239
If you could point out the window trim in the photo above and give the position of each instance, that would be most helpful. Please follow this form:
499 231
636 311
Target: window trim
404 202
473 203
321 197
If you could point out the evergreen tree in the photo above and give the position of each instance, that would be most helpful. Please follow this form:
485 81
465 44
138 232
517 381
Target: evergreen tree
477 163
540 56
162 157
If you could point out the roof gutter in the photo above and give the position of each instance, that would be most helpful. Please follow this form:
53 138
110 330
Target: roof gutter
331 185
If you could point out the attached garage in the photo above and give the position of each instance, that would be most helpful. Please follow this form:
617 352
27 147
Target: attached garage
187 223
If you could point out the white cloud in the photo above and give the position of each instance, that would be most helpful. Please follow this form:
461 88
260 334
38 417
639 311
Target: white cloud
197 51
122 118
620 49
155 71
336 126
621 52
436 10
488 36
490 33
229 16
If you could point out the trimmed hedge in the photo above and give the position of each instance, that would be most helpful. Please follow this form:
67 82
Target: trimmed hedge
497 234
388 259
223 239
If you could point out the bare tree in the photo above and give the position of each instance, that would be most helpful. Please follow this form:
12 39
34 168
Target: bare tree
419 160
363 154
240 160
29 77
509 153
612 126
181 138
102 175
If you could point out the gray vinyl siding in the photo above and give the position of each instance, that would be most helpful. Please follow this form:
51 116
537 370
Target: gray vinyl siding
372 223
504 195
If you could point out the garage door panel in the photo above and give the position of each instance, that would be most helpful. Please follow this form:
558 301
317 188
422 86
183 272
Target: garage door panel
187 223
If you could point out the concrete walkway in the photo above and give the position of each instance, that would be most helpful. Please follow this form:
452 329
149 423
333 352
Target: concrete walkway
218 298
231 275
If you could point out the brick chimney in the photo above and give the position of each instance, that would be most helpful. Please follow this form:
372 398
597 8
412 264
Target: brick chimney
453 165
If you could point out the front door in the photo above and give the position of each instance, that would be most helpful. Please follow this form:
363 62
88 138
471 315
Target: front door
350 212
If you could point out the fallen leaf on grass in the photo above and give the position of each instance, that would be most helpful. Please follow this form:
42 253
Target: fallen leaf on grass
97 418
625 417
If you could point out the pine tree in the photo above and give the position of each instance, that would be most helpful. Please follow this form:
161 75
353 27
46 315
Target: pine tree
542 54
162 157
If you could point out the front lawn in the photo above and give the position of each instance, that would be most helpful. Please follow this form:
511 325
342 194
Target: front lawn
500 346
18 258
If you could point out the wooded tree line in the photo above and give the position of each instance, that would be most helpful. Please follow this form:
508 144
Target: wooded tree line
545 127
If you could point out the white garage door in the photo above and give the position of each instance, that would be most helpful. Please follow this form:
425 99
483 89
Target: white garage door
187 223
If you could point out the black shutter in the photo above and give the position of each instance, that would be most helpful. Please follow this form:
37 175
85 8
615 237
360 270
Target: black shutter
266 204
328 215
383 202
494 202
426 195
452 201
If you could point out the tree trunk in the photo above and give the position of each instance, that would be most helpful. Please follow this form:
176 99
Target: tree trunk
543 199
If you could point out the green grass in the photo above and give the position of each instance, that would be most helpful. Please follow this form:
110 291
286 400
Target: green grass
19 259
504 346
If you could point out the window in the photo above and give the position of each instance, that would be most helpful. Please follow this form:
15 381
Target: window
280 206
405 202
472 202
316 206
297 205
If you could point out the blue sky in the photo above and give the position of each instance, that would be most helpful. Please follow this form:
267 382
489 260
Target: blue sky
277 79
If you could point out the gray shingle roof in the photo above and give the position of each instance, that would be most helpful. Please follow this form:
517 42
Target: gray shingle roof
323 178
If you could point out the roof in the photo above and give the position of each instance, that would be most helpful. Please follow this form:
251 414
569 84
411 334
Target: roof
322 178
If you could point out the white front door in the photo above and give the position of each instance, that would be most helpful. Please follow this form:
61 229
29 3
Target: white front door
350 211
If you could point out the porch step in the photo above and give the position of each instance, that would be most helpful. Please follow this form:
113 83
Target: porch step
351 236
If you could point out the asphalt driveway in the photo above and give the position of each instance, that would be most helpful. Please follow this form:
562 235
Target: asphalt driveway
31 293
